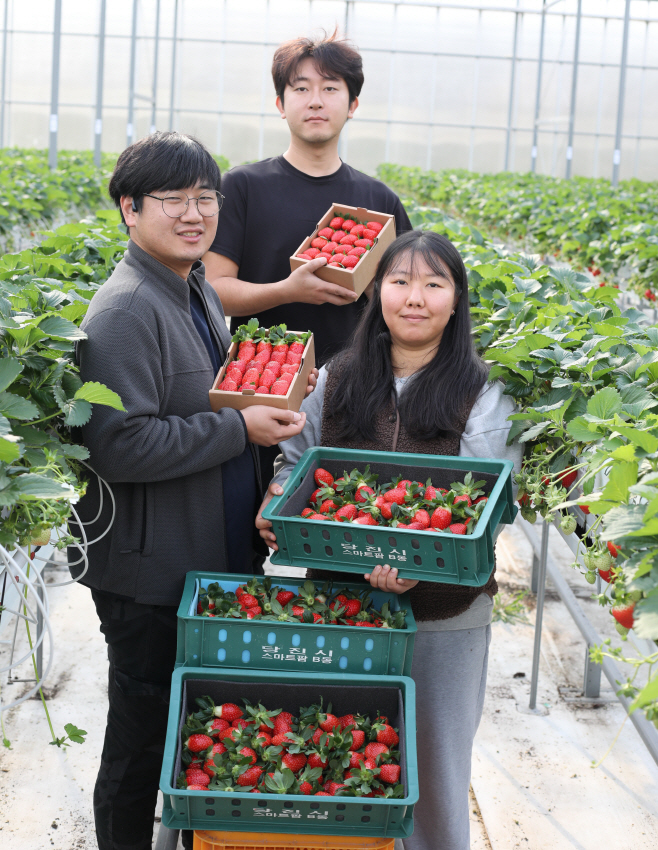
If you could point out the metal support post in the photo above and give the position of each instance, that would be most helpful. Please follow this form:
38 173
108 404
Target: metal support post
535 127
592 677
616 157
574 85
156 51
510 109
539 614
534 573
172 92
645 728
4 75
130 128
54 86
98 124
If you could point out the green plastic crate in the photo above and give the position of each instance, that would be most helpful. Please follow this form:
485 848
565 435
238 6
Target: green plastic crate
395 696
268 645
422 555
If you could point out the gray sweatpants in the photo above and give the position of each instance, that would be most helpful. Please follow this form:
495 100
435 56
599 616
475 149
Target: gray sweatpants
450 672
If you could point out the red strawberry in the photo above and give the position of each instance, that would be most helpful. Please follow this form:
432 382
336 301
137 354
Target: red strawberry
463 498
229 710
247 751
239 366
288 368
321 794
281 739
228 385
348 224
347 512
262 358
355 758
338 235
304 256
348 239
251 375
334 787
330 722
441 518
217 726
363 243
357 230
247 353
422 517
613 548
458 528
375 225
337 265
328 506
297 347
197 777
307 512
318 243
349 262
357 252
263 739
336 223
396 495
365 624
362 494
263 390
623 614
374 751
283 597
253 612
198 742
390 773
267 379
294 761
250 776
387 735
321 476
218 748
316 760
358 739
327 232
369 234
279 387
247 600
368 519
293 358
196 787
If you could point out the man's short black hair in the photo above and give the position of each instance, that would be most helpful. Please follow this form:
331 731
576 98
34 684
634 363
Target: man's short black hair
160 161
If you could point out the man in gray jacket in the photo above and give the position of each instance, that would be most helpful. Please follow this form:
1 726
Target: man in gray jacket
179 475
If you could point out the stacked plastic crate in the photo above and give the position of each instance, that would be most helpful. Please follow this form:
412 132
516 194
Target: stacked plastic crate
288 664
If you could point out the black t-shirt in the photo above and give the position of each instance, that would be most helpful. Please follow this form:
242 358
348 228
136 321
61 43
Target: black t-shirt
270 208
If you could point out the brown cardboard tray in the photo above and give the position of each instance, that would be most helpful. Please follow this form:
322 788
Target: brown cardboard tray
238 401
358 278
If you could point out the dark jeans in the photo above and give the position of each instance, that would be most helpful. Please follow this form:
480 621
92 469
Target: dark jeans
141 641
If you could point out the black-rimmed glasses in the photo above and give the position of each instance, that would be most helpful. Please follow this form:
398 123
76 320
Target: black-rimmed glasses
175 204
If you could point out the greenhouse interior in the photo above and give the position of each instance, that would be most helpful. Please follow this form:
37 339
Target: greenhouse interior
451 304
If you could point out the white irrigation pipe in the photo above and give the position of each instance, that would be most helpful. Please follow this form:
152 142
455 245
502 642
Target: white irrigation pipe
21 581
16 574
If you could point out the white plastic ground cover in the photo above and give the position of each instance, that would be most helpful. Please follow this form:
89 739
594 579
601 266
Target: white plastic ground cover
24 601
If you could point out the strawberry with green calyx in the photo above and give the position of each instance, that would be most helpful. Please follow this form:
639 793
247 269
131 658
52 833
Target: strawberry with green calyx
307 781
323 478
260 717
362 780
568 524
469 487
613 549
623 614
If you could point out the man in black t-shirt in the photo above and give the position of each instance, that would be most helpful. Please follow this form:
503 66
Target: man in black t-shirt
271 206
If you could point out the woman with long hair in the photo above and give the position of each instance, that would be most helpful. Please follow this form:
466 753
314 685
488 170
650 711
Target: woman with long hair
411 381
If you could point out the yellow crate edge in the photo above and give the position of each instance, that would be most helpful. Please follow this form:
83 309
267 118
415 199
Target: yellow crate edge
205 840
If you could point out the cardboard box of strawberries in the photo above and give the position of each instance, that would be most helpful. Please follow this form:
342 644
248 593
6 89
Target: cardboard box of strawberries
267 366
258 751
353 240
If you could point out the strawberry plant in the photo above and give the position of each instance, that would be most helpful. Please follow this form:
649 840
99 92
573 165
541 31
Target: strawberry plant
591 224
584 375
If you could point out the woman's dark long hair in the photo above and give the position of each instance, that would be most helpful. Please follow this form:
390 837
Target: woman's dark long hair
436 396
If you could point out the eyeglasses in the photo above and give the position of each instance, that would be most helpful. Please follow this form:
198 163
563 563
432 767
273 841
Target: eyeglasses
175 204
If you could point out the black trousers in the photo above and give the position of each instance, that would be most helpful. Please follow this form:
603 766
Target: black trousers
141 647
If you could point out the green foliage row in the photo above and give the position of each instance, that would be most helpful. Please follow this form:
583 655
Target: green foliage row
31 193
587 222
44 294
584 375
